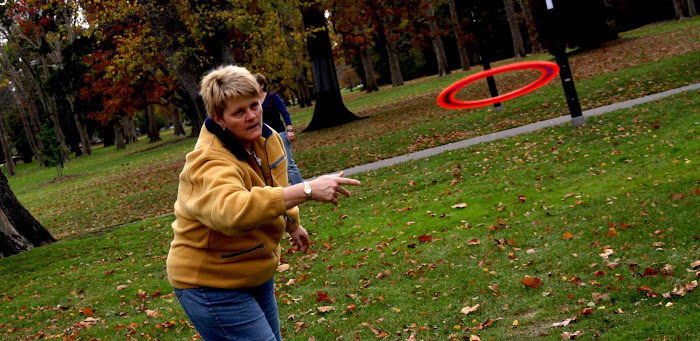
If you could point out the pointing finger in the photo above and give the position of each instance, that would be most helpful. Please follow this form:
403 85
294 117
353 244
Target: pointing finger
344 191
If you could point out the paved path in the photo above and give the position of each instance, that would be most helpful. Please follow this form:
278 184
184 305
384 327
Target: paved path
516 131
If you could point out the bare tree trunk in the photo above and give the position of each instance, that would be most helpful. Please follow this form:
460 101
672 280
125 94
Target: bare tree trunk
530 23
368 68
119 134
82 130
287 25
177 123
692 11
19 231
393 57
26 108
679 7
154 134
518 47
53 115
443 67
129 129
5 143
459 34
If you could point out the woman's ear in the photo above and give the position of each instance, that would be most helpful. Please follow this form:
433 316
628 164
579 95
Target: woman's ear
220 122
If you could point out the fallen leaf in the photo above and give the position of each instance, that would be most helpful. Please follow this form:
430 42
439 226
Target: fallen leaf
695 265
462 205
568 235
587 311
283 267
322 297
325 309
564 323
87 312
467 309
152 313
425 238
474 242
644 288
531 282
571 336
122 287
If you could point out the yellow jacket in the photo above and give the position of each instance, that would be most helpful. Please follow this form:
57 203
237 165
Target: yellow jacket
230 214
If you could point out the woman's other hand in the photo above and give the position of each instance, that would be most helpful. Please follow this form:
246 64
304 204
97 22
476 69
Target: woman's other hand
300 238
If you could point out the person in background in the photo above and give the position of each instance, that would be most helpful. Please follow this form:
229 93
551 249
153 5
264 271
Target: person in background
233 206
273 108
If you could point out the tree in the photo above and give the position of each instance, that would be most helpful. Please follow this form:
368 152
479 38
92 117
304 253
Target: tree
679 7
19 231
352 21
459 34
518 47
5 146
692 11
443 67
530 23
286 23
330 110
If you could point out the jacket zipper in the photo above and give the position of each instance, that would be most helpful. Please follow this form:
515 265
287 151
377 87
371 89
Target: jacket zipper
261 246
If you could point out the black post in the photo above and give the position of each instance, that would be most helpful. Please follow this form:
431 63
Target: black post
483 53
567 79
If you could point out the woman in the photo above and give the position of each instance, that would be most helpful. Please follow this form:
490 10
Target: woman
233 206
273 108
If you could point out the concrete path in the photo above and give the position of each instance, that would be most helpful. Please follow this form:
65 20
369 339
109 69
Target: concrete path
515 131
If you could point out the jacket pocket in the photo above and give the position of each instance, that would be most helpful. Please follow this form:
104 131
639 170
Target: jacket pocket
276 163
229 257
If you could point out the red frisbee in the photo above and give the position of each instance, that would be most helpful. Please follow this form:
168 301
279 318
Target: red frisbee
447 97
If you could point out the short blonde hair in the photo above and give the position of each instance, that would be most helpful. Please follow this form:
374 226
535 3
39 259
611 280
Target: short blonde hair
225 83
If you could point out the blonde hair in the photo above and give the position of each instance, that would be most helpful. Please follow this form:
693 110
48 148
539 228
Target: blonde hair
225 83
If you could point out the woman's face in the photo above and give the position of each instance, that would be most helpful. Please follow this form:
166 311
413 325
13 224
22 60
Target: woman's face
243 118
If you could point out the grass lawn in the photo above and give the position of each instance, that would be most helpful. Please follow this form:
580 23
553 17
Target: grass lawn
606 217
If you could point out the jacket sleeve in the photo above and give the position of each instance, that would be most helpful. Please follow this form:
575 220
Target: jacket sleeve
218 198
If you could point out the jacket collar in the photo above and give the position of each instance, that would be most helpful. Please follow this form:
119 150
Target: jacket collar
231 143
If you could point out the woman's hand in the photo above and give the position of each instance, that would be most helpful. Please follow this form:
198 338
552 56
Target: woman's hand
300 238
323 189
327 187
290 133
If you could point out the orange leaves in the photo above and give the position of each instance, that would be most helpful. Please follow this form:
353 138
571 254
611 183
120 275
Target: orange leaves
531 282
425 238
87 312
322 297
567 236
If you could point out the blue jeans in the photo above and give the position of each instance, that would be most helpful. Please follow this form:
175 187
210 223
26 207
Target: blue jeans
233 314
292 170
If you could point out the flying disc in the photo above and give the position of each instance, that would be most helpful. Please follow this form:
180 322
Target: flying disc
447 99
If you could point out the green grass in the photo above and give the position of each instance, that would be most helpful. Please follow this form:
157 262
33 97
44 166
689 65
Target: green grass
661 28
636 166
